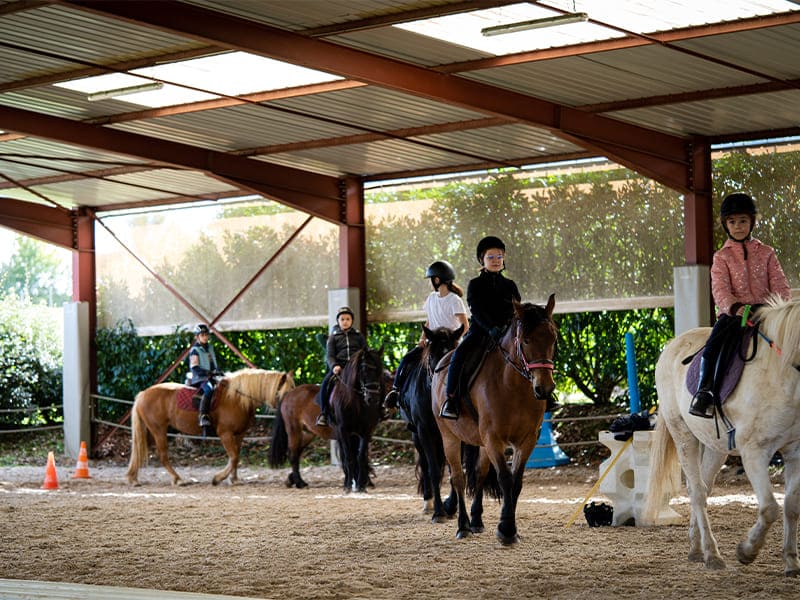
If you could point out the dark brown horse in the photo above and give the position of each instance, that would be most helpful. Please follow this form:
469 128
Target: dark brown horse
295 428
508 398
233 411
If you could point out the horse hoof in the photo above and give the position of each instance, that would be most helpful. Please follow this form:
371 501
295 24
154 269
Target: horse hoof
301 484
696 557
743 556
215 482
289 483
715 563
439 519
463 533
507 540
477 528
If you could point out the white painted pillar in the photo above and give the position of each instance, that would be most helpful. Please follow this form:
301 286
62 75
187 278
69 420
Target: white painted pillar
692 286
77 417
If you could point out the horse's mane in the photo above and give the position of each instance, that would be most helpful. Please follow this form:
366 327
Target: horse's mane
253 387
350 373
780 321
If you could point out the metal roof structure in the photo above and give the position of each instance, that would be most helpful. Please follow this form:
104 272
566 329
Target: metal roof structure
652 85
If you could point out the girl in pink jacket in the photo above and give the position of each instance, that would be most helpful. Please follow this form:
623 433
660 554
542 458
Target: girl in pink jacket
744 272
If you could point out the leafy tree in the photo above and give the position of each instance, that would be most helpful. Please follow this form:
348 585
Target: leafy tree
34 272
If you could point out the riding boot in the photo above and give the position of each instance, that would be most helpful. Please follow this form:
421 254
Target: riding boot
391 399
702 404
449 407
322 419
205 406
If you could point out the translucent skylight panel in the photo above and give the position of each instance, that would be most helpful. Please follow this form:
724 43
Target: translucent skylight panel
230 74
640 16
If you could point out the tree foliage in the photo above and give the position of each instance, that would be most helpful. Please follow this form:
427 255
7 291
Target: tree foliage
34 273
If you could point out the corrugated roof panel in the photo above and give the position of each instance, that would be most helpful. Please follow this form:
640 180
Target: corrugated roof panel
407 46
378 108
615 75
505 141
73 158
368 159
236 128
308 14
723 116
61 102
762 50
84 36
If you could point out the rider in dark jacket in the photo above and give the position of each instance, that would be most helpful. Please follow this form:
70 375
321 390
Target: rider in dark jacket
203 366
490 297
343 342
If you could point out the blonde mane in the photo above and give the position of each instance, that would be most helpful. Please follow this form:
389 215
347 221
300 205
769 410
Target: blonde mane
253 387
780 321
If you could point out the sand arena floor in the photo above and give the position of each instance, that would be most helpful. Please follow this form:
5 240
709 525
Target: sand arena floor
261 539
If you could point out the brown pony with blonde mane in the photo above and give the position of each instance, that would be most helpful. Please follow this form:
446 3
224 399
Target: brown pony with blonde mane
236 399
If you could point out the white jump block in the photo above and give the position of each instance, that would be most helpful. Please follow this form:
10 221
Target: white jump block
626 483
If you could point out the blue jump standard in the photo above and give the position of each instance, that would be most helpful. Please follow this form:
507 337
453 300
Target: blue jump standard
546 453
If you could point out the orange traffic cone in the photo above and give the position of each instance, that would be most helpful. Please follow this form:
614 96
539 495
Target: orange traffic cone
50 476
82 470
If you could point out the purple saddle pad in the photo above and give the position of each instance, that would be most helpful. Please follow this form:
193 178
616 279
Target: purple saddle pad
729 379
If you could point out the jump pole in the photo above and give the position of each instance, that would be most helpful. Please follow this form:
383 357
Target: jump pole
574 516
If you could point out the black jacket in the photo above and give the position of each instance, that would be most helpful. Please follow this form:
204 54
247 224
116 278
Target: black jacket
490 296
342 345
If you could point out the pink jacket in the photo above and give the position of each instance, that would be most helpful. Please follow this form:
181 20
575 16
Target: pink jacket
736 281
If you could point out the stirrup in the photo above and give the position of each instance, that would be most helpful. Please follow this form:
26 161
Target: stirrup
447 411
391 398
204 420
322 420
702 404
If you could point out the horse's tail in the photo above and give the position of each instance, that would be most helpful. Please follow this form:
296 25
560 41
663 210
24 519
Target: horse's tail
279 442
663 456
138 441
490 485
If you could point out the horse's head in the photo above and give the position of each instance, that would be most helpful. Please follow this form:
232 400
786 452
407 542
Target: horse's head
440 342
364 375
535 336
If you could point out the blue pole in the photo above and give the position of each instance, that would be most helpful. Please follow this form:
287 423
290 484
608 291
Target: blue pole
633 379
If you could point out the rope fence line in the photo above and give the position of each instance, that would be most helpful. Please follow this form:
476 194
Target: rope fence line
269 415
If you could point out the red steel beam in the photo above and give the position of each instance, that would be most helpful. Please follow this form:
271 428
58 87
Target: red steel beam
654 154
310 192
353 244
52 225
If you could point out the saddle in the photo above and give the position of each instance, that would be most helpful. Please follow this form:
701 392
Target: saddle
473 362
188 397
731 372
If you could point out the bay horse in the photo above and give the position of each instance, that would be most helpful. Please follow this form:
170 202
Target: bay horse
415 408
357 408
294 429
507 403
764 408
236 398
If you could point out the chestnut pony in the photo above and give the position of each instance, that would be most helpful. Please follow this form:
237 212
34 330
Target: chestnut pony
235 401
507 402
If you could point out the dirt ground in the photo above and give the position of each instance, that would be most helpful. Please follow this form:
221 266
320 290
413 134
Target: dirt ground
263 540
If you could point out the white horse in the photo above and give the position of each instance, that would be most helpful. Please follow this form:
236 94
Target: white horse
764 408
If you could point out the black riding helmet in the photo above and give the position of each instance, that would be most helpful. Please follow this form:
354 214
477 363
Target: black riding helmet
201 328
489 241
737 204
441 269
344 310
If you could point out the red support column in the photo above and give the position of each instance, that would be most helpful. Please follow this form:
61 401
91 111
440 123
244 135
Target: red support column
697 206
353 244
84 279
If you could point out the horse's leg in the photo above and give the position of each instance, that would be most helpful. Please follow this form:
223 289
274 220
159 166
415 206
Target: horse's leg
791 508
160 437
430 440
476 510
507 527
423 472
232 444
702 543
452 451
756 465
362 464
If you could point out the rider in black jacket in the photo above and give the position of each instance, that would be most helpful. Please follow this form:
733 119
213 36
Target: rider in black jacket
490 297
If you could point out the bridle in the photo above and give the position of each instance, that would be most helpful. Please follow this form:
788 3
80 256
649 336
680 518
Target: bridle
525 366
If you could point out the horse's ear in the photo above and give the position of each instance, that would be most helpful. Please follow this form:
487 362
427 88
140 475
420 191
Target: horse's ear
428 332
551 304
517 307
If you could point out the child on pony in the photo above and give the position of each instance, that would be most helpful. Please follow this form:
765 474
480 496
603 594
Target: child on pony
443 308
744 273
490 296
343 343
